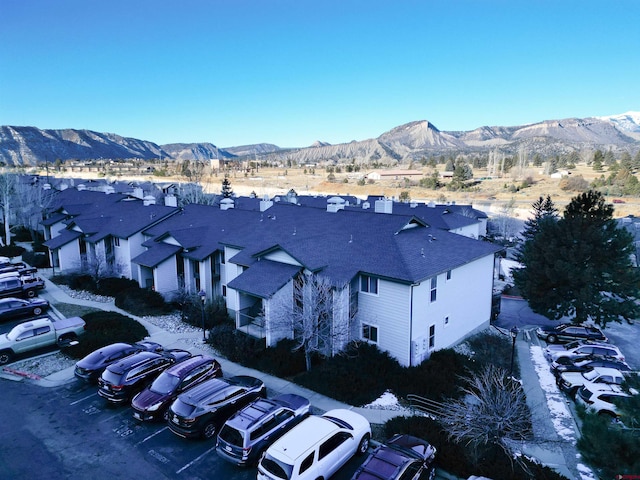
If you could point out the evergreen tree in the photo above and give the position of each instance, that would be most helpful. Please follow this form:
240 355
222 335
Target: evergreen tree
227 191
542 208
580 265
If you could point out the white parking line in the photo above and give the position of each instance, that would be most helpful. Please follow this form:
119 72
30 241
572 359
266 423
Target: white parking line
196 459
83 399
151 436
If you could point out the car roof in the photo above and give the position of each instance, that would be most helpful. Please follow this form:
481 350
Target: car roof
303 436
187 365
131 361
607 371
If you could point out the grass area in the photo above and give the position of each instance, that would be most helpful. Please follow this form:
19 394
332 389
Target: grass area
73 310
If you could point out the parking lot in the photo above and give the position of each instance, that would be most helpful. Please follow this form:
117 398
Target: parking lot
74 433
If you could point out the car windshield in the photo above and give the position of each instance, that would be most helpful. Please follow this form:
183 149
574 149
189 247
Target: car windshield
277 468
165 383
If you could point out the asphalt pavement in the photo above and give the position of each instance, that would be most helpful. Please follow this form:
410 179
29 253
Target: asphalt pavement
547 446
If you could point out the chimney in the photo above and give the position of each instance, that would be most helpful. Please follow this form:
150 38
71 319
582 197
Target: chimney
226 203
170 201
384 205
265 203
149 200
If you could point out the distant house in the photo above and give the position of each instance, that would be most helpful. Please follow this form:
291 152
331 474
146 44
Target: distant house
393 174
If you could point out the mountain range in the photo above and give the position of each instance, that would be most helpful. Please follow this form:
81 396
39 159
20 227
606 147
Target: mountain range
411 141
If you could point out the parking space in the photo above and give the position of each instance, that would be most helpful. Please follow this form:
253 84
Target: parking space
93 439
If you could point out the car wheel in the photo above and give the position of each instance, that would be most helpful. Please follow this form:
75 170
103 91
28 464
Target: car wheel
37 311
363 446
552 339
31 293
5 357
209 430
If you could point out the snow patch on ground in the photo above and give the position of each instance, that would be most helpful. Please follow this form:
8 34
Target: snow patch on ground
386 401
560 414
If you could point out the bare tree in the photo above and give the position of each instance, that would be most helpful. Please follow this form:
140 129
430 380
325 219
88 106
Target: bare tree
7 188
30 202
317 316
493 410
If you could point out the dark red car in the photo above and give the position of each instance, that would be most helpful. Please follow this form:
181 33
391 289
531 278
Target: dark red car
402 457
153 402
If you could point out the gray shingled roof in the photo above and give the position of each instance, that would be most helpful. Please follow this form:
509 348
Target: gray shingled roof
264 278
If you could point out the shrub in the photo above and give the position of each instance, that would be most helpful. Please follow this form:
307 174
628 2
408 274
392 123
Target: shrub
105 328
437 378
611 449
111 286
140 301
36 259
282 360
343 377
456 459
11 251
235 345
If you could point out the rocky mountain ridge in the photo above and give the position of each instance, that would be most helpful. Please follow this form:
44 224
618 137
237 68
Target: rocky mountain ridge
411 141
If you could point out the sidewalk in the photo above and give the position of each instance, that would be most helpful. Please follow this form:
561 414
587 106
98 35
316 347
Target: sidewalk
192 341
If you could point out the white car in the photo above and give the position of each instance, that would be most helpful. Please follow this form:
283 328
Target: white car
317 447
599 398
570 382
600 350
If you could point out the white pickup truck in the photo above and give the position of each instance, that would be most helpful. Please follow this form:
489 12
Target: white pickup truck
39 333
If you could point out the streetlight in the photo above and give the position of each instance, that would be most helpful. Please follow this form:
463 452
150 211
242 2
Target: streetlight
514 335
203 297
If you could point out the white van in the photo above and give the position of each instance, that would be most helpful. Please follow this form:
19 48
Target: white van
317 447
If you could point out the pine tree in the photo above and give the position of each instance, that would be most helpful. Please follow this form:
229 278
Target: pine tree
542 208
580 265
227 191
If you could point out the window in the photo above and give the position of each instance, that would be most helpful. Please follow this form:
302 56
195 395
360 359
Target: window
306 463
446 320
368 284
432 336
448 275
369 332
116 242
224 290
332 444
434 288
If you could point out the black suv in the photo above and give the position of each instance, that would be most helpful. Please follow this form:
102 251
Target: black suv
568 332
402 457
200 411
248 433
122 380
91 367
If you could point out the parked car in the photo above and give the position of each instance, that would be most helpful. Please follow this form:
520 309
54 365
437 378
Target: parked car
40 333
16 285
402 457
202 410
91 367
602 398
121 381
584 363
570 382
245 436
12 307
601 350
153 402
568 332
317 447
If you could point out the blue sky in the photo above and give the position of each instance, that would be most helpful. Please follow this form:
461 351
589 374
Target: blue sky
290 72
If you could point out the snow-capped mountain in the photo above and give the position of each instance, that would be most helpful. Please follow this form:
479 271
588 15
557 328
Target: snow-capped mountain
629 121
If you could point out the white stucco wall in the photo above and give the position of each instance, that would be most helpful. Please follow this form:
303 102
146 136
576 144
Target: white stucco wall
165 279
